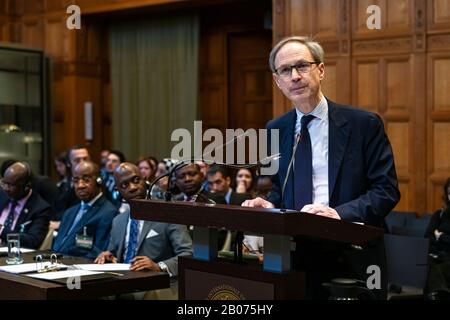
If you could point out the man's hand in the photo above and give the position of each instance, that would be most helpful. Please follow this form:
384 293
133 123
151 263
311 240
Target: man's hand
321 210
104 257
437 234
144 263
258 203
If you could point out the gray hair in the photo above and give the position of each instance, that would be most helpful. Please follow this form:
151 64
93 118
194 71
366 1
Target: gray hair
313 46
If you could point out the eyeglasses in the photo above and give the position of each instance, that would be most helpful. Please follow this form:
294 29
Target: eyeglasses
7 185
302 67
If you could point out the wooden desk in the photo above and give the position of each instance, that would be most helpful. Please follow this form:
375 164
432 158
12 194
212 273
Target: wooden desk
21 287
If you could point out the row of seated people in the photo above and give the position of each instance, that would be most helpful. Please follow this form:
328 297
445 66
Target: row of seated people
94 228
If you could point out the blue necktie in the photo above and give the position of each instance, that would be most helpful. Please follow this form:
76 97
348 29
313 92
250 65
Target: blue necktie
84 207
110 183
10 218
303 167
132 240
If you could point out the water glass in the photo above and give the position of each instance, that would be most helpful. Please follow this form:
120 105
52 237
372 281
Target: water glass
14 254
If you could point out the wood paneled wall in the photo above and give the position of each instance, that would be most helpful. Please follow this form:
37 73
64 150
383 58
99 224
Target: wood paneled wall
401 71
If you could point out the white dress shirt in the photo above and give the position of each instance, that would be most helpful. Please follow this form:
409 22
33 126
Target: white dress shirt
318 131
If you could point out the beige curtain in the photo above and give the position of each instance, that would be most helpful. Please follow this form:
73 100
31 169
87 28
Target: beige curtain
154 76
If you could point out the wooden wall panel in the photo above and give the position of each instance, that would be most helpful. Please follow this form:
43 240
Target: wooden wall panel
438 122
399 134
326 13
438 15
54 38
441 154
301 17
398 85
33 33
367 85
405 192
441 84
359 14
329 84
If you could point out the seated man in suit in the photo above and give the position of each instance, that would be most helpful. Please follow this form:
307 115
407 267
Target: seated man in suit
189 180
85 227
219 181
22 210
147 245
67 197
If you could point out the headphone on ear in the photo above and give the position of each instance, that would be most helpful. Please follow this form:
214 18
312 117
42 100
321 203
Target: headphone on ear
29 175
99 181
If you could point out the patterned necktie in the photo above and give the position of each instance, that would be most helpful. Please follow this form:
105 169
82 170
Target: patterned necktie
110 183
10 218
132 240
84 207
303 167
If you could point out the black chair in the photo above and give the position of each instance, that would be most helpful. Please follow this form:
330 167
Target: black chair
407 261
399 219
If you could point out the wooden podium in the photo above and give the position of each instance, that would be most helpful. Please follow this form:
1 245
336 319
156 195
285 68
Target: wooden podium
205 276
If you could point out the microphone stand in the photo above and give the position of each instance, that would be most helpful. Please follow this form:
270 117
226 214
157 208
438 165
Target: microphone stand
288 172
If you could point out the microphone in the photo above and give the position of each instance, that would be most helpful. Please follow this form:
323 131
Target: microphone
298 138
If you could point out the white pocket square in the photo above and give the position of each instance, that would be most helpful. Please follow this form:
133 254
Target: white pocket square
151 233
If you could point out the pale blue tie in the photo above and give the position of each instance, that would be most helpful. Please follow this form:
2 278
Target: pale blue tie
84 207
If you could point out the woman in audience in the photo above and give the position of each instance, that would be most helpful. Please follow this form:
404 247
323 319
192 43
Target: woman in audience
164 167
438 231
245 182
146 168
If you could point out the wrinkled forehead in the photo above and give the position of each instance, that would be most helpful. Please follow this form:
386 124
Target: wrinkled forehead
292 52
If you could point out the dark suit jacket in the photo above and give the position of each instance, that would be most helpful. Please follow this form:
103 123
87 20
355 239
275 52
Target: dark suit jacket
362 186
97 219
362 180
161 242
237 198
35 210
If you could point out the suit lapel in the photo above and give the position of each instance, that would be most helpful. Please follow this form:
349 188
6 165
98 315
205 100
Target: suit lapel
339 133
145 230
122 233
90 213
83 221
26 211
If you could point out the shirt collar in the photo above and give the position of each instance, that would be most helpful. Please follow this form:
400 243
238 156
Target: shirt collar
21 203
228 196
320 111
91 203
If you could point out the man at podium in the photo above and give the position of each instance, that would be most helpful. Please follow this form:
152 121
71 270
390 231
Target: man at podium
336 161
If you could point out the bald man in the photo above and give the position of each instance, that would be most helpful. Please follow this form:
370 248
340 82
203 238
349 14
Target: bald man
85 227
147 245
21 209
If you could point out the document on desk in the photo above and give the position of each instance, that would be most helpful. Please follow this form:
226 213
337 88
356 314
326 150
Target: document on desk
63 274
28 267
104 267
